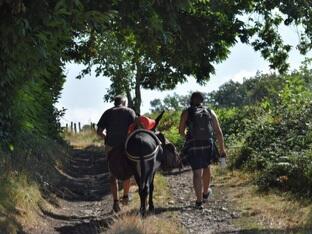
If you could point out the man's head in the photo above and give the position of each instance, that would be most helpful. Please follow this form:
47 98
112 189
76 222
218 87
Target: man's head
120 100
197 98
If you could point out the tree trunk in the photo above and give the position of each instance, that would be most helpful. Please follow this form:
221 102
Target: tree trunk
137 91
138 99
130 100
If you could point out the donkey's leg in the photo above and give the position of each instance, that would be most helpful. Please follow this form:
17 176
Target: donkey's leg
150 197
143 196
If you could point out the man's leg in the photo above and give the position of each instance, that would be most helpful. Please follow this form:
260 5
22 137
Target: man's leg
114 187
114 190
198 185
126 187
206 179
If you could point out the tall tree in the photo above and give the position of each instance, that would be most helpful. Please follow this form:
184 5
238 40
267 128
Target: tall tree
172 40
123 60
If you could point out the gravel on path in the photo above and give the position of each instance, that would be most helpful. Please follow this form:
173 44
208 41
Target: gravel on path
216 217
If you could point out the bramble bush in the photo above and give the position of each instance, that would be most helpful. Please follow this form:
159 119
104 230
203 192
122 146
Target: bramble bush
274 137
271 135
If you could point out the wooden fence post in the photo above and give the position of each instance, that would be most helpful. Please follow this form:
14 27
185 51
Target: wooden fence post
71 127
66 128
79 126
75 128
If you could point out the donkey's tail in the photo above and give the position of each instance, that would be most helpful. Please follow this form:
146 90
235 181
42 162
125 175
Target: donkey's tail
143 173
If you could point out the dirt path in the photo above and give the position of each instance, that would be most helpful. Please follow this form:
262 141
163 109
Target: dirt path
216 217
83 203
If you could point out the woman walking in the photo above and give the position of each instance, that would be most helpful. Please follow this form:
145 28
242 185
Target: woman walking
201 124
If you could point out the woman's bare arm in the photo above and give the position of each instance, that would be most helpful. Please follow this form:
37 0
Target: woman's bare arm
182 125
218 132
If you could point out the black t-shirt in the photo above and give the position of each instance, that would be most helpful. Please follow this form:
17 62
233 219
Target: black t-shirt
116 121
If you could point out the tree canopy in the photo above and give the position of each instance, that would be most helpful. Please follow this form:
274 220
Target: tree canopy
169 40
162 43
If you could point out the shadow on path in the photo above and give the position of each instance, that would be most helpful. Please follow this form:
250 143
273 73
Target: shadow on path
86 177
272 231
82 194
89 227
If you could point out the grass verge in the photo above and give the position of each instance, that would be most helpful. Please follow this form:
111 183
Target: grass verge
18 202
132 223
25 175
272 210
83 139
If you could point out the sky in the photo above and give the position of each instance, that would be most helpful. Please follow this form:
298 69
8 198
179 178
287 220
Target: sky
83 99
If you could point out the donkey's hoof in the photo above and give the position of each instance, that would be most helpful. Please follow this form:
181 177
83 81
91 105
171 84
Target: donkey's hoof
151 209
142 213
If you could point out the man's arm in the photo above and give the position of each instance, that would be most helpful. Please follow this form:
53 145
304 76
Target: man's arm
102 125
218 132
182 124
100 133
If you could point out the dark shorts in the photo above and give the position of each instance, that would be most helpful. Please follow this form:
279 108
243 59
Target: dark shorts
199 153
118 164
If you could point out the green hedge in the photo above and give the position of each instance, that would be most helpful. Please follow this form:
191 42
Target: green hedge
271 137
274 138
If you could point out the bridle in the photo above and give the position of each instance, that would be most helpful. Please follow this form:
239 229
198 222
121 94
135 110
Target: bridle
147 157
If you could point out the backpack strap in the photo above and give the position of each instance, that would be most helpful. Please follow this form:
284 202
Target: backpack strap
210 113
190 113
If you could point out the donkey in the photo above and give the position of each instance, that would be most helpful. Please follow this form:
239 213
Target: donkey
146 151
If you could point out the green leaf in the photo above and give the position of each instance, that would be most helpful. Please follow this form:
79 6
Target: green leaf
11 147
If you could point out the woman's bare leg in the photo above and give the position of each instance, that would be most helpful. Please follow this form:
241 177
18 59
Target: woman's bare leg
206 179
198 185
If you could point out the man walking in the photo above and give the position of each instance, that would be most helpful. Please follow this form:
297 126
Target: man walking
116 121
201 124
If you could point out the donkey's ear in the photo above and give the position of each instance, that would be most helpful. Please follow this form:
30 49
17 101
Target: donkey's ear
157 120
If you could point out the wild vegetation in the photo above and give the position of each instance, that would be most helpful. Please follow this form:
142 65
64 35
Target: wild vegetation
267 128
164 41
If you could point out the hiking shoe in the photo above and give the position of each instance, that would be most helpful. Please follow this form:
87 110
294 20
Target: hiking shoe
116 207
199 205
206 196
126 199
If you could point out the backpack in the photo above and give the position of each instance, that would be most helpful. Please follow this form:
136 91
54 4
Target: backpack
199 123
172 159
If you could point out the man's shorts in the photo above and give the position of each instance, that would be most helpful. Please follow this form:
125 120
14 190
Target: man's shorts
199 153
107 149
117 163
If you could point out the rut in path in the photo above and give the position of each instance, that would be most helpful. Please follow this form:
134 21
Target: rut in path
84 201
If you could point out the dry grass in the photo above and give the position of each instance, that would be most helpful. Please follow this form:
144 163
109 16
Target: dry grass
273 210
161 193
161 223
18 202
83 139
20 191
149 225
